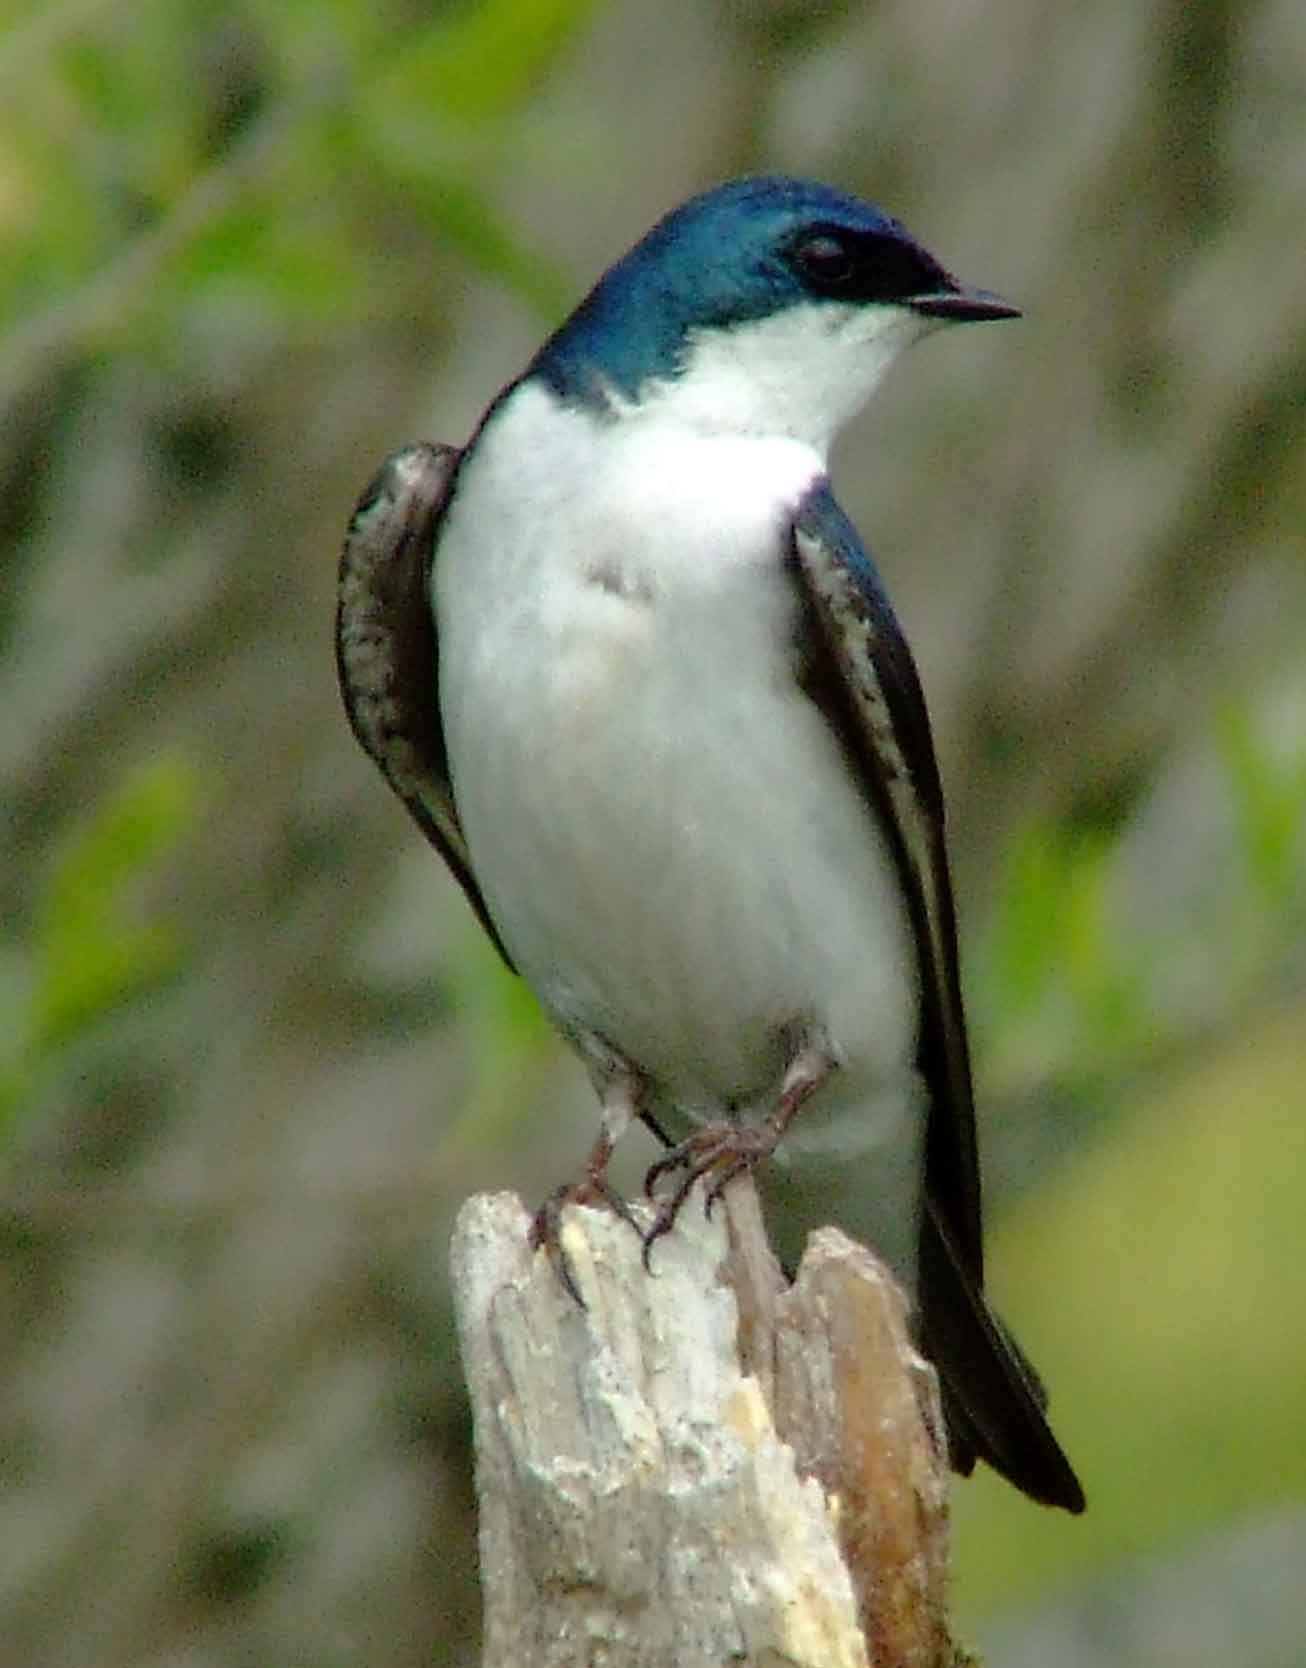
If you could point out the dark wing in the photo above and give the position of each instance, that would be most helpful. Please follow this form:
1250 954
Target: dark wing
859 670
387 652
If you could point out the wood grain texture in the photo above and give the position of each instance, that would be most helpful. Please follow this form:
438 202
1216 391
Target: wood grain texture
705 1464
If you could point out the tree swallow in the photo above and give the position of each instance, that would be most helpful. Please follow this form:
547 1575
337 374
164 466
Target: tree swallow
635 675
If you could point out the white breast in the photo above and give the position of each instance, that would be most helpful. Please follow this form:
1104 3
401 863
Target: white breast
662 824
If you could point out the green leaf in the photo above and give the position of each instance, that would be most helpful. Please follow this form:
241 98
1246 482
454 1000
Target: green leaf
1270 802
483 62
93 945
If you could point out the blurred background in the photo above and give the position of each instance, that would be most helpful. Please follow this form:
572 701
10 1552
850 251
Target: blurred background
254 1050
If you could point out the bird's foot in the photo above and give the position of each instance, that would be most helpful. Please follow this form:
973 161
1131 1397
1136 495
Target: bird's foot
592 1189
719 1153
715 1154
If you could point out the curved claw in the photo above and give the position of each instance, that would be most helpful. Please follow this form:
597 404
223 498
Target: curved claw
716 1154
546 1235
668 1211
738 1166
594 1188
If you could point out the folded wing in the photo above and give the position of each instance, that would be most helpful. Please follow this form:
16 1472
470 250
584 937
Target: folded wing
857 667
387 650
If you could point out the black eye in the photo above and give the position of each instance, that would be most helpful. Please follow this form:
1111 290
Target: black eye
825 260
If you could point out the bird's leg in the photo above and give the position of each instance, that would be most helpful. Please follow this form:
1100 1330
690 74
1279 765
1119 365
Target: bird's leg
654 1128
622 1092
720 1152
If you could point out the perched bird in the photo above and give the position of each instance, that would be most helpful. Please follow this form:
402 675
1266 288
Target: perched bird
635 675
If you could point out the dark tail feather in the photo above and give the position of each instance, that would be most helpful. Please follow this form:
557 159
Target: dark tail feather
993 1401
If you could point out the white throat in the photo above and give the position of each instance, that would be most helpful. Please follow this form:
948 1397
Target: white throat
800 374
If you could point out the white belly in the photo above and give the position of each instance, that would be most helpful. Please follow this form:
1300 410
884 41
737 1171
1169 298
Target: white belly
662 824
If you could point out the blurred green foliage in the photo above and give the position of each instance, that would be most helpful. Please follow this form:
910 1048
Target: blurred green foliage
1174 1314
196 161
1077 969
98 935
1060 965
510 1040
1268 794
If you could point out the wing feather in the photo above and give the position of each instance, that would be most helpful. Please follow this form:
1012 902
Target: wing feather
857 666
387 650
875 683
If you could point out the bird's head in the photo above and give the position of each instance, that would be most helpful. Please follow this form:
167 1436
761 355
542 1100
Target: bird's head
768 305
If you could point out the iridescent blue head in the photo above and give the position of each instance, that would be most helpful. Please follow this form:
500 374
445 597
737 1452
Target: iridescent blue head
766 251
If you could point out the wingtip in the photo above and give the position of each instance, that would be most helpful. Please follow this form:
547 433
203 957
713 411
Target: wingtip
993 1401
1029 1458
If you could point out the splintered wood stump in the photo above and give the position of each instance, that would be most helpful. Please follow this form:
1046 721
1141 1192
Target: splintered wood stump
705 1465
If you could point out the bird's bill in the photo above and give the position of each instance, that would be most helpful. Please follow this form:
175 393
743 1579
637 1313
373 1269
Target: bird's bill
960 304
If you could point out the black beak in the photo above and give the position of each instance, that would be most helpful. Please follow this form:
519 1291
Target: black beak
958 304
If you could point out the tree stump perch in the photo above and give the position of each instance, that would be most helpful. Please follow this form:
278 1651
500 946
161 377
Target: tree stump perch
705 1465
